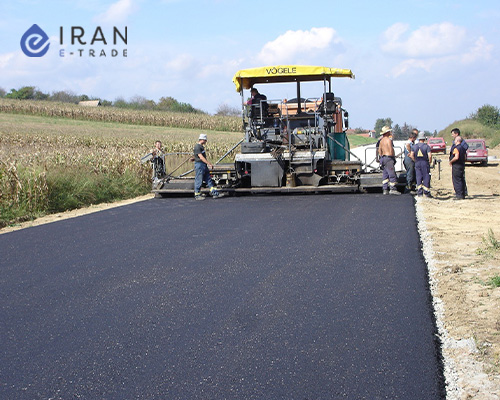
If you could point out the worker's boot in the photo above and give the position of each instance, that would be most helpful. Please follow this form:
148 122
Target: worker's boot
218 195
199 196
215 193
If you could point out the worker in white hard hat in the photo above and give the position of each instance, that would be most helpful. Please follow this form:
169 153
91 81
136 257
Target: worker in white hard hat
422 155
201 167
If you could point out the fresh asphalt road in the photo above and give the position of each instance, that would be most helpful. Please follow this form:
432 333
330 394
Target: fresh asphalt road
263 297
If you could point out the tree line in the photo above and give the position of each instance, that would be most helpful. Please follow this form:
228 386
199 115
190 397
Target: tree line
487 115
398 132
137 102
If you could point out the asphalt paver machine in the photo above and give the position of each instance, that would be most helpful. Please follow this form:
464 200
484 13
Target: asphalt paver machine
289 145
297 144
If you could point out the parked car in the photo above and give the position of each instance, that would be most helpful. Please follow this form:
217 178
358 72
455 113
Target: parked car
477 151
437 145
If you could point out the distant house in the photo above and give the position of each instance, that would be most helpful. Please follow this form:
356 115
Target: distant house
360 132
90 103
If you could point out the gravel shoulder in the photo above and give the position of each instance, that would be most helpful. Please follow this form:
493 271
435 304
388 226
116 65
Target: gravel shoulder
460 269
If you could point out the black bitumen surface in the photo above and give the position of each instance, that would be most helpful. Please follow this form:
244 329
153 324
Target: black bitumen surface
263 297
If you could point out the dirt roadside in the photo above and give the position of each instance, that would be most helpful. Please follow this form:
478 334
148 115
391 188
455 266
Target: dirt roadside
460 269
467 308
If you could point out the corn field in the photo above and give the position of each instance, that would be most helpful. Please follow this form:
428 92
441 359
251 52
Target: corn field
110 114
38 153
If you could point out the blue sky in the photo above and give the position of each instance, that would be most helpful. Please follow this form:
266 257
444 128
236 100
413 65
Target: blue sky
424 62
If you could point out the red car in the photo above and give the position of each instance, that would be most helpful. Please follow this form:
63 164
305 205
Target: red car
477 151
437 145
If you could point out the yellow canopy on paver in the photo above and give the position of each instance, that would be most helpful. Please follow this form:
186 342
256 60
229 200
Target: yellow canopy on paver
246 78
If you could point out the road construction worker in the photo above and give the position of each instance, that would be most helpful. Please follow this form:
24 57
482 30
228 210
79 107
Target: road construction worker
158 164
458 155
201 167
408 161
421 154
157 150
257 101
455 132
387 161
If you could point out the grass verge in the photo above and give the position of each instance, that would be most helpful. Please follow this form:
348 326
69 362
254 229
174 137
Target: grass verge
76 188
472 129
29 193
50 164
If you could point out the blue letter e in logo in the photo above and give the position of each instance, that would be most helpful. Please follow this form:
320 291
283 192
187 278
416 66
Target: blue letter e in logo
35 42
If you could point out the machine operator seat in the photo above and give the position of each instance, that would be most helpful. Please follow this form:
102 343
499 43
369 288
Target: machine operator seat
328 106
259 107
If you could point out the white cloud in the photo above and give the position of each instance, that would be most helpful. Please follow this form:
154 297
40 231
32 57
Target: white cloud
117 13
5 59
218 68
433 45
427 41
181 63
392 37
481 51
412 63
19 69
286 47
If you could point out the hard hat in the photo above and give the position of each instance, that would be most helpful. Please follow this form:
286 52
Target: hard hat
203 136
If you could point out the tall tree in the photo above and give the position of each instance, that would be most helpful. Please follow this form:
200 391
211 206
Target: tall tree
24 93
225 110
488 115
380 123
406 129
64 96
396 132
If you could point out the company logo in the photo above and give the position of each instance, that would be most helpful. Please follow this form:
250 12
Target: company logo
97 44
35 42
281 71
